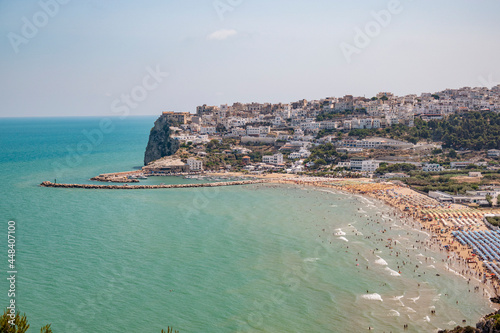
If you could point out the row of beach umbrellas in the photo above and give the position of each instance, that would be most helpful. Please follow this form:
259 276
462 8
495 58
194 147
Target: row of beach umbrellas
486 244
492 267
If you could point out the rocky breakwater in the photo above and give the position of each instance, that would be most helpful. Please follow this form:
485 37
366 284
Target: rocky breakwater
136 187
160 143
114 179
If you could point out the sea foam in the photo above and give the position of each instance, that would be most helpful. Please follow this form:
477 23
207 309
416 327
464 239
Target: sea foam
339 232
372 297
393 272
394 313
311 259
415 299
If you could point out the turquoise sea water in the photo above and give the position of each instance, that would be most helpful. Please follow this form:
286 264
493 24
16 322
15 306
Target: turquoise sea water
257 258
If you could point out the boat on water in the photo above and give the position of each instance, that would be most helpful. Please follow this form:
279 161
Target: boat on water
132 177
141 176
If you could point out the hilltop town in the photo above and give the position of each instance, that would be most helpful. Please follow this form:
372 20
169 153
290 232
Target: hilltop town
385 136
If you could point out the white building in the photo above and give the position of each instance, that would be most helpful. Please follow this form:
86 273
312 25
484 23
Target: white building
265 130
328 125
257 131
350 150
369 165
465 164
273 159
441 196
302 153
432 167
346 165
493 153
347 124
194 164
238 131
207 130
357 163
253 130
309 125
366 123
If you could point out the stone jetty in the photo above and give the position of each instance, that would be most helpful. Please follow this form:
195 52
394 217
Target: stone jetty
102 178
118 177
137 187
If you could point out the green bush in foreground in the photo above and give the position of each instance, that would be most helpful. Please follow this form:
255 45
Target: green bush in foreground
21 324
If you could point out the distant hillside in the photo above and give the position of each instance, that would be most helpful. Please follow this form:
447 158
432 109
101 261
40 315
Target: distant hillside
472 130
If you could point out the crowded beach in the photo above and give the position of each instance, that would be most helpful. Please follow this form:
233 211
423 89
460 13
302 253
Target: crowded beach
459 231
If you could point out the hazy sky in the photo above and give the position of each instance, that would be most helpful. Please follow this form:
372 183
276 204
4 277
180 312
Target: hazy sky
95 57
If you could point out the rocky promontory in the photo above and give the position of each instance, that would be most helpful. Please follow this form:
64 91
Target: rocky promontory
160 142
488 324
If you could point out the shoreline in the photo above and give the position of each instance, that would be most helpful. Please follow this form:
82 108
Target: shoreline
414 209
454 264
408 206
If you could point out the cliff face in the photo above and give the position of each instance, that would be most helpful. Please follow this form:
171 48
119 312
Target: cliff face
160 143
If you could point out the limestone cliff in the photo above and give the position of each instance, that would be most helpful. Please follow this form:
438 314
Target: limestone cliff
160 143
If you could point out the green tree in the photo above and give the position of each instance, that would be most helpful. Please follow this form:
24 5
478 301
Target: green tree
473 130
489 199
397 167
452 153
220 128
20 324
320 162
